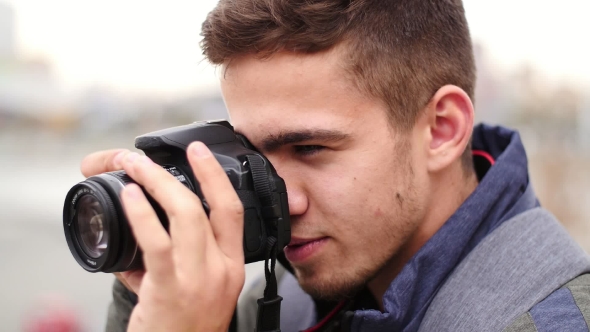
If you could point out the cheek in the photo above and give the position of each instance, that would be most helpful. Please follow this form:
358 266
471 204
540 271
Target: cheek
332 197
378 213
353 194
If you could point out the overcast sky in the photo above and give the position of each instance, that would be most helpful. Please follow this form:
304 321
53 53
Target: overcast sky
144 45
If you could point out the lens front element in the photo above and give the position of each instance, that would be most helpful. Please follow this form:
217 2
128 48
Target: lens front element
92 228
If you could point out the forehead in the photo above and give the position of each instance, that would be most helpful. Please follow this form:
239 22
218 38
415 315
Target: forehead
291 92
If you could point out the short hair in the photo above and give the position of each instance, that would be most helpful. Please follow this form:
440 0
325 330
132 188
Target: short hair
401 51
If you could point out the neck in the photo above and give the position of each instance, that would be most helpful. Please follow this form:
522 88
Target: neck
451 190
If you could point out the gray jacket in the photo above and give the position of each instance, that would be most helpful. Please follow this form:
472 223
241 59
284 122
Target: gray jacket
528 275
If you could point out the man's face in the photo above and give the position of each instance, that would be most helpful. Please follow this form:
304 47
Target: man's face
353 185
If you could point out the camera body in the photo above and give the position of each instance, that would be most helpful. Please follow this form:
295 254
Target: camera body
95 225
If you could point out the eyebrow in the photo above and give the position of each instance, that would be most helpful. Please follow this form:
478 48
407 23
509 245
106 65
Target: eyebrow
274 142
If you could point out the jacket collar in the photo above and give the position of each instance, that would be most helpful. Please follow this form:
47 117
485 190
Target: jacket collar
496 199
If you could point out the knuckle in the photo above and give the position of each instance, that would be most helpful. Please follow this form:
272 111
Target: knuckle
240 279
161 248
235 278
184 207
236 273
235 208
108 163
224 281
117 158
130 170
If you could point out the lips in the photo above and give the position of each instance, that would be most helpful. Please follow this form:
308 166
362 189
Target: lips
300 250
298 241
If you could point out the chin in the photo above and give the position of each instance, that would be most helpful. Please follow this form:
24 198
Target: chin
327 285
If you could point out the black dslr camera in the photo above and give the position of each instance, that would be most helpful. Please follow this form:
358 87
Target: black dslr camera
95 225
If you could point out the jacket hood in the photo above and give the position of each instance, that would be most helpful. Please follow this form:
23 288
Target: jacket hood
497 198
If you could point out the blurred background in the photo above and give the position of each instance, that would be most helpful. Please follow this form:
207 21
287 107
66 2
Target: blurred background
78 76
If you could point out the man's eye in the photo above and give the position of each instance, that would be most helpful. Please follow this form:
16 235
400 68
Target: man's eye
308 150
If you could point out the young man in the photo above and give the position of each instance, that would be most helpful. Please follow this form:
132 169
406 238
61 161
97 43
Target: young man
365 109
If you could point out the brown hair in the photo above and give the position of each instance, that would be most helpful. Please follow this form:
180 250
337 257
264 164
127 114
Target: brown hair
401 51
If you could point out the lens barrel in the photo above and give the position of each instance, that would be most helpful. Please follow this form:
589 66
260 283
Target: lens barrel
95 225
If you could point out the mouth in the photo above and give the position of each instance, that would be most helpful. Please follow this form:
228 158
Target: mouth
300 250
295 241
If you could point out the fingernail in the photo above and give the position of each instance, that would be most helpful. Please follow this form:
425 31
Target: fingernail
133 191
200 150
118 160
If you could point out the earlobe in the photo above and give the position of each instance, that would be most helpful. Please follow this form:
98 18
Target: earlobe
451 125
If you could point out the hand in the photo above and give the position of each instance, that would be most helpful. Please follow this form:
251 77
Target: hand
195 273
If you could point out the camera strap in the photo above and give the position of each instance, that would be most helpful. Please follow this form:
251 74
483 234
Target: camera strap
269 307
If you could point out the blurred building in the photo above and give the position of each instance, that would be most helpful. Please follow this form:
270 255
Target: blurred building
7 32
29 93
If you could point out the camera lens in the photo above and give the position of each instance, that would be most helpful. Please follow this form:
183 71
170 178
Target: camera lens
93 230
95 226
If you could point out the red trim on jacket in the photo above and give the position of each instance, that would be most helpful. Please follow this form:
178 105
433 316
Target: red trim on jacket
326 319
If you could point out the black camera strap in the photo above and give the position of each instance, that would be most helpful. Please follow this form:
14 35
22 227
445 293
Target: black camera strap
269 307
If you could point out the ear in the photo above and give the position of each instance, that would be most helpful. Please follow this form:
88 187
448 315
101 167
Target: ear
450 124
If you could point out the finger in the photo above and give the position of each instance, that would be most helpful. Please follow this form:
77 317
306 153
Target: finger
149 233
189 226
101 162
227 211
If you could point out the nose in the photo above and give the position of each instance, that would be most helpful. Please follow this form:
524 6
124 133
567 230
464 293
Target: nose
296 193
298 202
